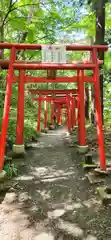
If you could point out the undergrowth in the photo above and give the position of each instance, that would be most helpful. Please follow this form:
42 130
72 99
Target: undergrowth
30 115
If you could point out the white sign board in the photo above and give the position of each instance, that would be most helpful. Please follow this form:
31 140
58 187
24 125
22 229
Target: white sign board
53 54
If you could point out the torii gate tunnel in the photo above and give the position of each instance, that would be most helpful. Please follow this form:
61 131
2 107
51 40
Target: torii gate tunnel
60 101
80 78
68 97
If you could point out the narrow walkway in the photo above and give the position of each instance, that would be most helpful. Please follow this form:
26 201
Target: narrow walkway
52 199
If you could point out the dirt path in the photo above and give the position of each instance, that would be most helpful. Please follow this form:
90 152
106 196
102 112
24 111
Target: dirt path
52 199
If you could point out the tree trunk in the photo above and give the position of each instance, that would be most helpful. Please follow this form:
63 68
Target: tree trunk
1 35
1 50
100 33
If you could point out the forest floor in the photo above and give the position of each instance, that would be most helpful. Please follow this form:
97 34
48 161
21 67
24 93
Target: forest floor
51 198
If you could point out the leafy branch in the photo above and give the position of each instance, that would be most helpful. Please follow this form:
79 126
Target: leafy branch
11 9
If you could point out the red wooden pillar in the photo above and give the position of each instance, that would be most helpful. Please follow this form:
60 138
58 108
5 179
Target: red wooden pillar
98 112
65 114
78 110
52 112
59 114
81 110
45 114
39 113
48 111
73 112
20 111
68 113
7 103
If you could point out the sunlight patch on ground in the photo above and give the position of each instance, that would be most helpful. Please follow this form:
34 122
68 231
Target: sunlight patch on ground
59 173
54 179
53 134
71 207
24 178
69 228
93 202
90 237
68 205
24 197
39 171
51 174
56 213
45 194
61 211
38 145
44 236
67 134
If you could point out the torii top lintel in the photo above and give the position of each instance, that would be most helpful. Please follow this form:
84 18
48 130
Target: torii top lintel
52 66
71 47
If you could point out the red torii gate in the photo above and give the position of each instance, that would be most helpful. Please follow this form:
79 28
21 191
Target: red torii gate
14 65
48 99
60 101
51 98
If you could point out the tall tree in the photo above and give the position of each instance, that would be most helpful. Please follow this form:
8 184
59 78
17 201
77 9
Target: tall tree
99 8
100 38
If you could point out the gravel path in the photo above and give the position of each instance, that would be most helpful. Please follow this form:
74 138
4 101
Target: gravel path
52 199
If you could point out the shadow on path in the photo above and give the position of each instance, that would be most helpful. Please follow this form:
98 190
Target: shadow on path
52 199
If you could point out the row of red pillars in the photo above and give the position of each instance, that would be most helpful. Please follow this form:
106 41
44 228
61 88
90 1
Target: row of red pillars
71 119
20 124
70 107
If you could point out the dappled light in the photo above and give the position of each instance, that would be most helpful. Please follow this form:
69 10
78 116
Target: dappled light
69 228
47 236
93 202
49 173
51 198
55 120
90 237
25 177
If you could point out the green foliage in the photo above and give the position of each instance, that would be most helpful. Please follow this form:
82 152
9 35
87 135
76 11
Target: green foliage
107 103
48 22
30 120
11 170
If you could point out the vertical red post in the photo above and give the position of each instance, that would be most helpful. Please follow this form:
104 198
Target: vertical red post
38 117
7 103
81 110
48 110
78 108
65 114
59 114
98 112
45 114
73 112
68 113
52 112
20 111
